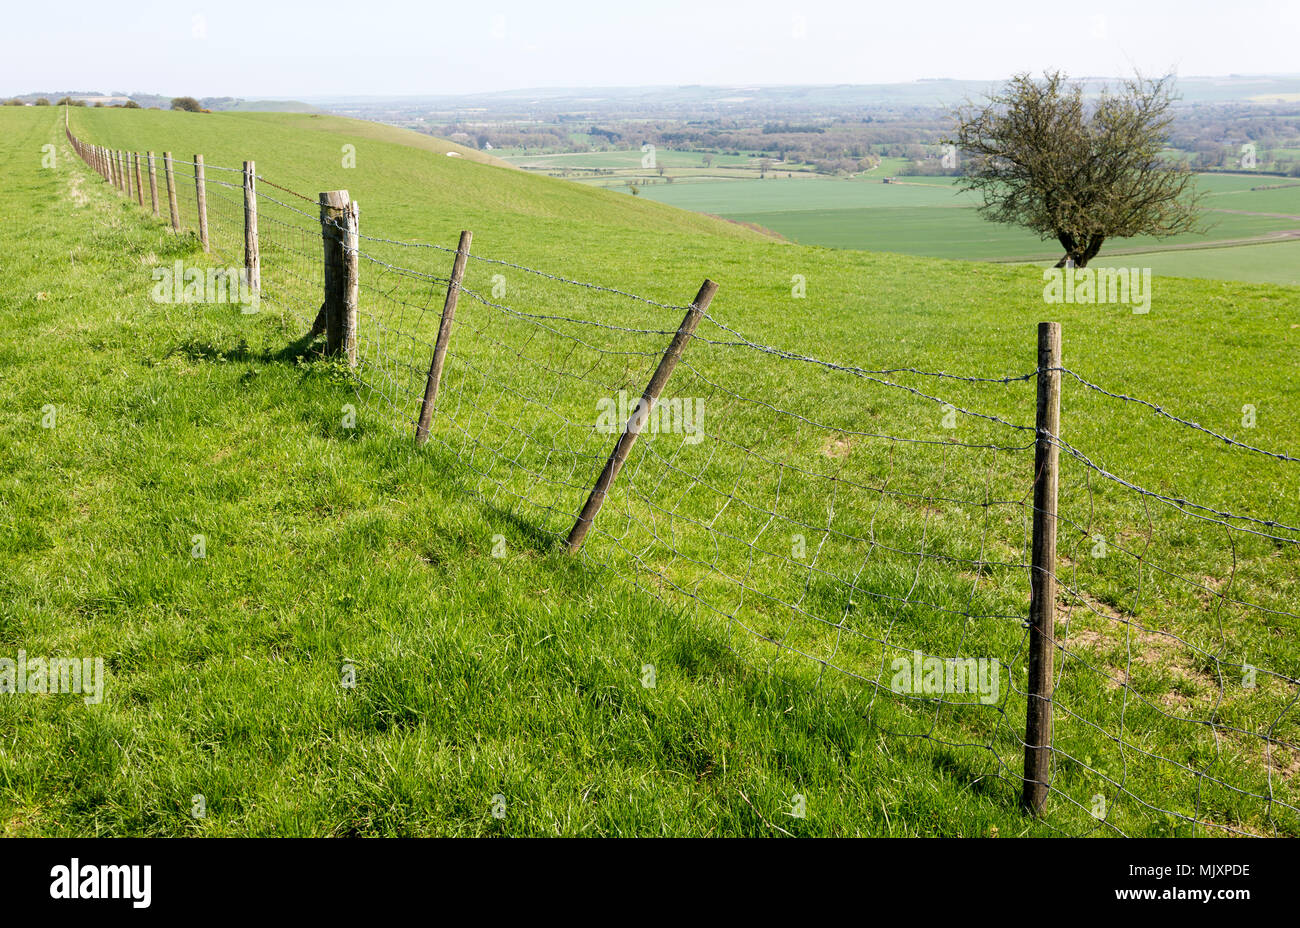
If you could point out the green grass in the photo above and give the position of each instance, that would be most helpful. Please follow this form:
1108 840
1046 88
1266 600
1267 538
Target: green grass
1277 263
520 675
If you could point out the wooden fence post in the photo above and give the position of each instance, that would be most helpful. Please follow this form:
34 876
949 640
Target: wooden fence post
252 257
339 218
139 187
352 284
153 184
637 420
444 337
1042 574
115 164
171 191
126 169
201 191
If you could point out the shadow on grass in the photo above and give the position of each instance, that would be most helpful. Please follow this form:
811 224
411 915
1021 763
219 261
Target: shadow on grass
304 348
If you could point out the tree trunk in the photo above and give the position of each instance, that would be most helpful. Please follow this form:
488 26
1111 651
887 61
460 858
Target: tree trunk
1067 242
1078 252
1090 252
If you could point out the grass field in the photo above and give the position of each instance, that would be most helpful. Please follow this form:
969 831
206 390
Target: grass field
489 664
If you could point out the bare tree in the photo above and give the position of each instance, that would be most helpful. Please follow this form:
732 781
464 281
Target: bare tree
1080 173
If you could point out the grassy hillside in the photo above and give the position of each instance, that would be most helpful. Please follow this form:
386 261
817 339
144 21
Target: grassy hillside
487 663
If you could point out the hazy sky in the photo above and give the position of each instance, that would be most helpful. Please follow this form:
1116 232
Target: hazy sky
267 48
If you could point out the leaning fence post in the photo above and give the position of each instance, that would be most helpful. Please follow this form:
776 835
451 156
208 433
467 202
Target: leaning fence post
171 191
139 187
252 257
339 220
444 337
1042 574
637 420
201 191
153 184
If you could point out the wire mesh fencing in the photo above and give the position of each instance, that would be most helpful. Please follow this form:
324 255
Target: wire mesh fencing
865 531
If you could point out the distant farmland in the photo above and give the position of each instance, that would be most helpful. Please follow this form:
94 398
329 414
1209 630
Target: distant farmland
1252 234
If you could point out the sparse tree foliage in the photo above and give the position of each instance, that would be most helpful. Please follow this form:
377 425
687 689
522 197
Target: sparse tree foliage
1078 172
188 104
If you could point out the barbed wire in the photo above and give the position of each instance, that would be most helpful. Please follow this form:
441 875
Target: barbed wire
1168 415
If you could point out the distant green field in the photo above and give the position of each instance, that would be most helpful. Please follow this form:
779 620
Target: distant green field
926 216
631 158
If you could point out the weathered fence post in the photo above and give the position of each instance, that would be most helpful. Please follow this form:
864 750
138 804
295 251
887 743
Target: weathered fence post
126 169
339 218
1042 574
201 191
139 187
352 277
153 184
252 257
637 420
444 337
171 191
115 162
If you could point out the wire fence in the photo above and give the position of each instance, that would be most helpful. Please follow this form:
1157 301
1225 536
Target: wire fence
811 515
